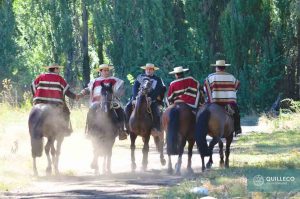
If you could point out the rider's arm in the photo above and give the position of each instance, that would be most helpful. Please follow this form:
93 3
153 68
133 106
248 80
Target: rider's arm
70 94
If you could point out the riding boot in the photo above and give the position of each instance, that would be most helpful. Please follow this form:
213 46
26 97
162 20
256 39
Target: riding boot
128 111
121 121
68 126
156 119
237 120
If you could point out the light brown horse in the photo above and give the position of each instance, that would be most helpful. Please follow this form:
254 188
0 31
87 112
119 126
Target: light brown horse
215 121
179 124
141 123
102 129
46 120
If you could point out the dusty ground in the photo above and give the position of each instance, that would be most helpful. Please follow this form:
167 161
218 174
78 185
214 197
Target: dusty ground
77 179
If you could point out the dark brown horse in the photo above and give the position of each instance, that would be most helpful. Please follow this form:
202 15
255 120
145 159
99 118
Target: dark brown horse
215 121
102 128
141 123
179 123
46 120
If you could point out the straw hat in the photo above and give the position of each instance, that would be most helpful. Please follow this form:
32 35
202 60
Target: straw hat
220 63
104 66
53 65
178 69
149 65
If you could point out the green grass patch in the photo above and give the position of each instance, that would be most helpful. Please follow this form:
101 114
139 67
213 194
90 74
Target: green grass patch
276 149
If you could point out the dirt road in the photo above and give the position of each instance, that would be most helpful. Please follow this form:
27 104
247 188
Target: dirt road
77 179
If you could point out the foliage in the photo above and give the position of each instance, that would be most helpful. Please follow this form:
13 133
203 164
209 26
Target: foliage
260 38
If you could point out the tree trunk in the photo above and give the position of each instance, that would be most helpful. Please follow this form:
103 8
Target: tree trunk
85 64
100 52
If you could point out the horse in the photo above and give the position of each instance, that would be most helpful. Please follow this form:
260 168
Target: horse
178 121
102 129
140 124
217 122
46 120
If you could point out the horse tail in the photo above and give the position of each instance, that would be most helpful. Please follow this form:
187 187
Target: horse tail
201 132
35 129
172 134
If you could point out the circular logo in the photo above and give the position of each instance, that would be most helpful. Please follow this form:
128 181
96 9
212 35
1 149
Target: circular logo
258 180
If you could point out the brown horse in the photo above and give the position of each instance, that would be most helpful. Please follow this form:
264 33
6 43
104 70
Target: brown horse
179 123
214 120
141 123
46 120
102 128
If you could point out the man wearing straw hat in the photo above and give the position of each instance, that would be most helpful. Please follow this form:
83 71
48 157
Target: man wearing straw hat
94 90
183 89
51 88
221 88
156 94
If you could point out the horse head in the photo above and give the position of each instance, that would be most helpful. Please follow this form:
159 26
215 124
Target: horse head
106 96
145 89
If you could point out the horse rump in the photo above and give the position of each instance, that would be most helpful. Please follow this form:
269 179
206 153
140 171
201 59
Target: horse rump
172 133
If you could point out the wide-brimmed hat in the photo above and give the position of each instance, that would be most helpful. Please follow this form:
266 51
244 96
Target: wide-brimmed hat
53 65
220 63
178 69
104 66
149 65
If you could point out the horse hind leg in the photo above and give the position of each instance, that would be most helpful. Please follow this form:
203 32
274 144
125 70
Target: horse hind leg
179 160
56 154
170 169
160 148
221 154
47 150
212 143
190 153
35 172
227 151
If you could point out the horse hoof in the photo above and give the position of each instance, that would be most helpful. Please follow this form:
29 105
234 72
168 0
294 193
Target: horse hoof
57 173
170 171
190 171
133 167
163 161
35 173
144 168
178 173
93 165
48 171
208 165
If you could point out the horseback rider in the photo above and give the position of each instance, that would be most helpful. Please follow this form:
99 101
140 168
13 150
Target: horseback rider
221 88
51 88
94 89
156 94
183 89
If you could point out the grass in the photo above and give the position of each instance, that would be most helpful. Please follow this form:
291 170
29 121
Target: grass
277 147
